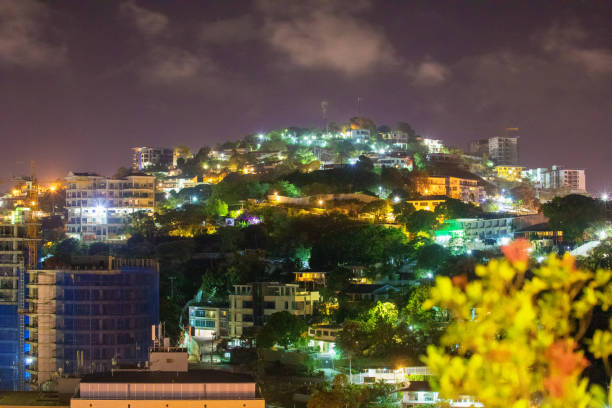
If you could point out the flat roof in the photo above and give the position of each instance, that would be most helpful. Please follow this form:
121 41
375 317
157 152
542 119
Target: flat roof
191 376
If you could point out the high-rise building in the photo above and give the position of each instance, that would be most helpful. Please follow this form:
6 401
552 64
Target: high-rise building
503 150
252 304
18 251
83 316
99 207
145 157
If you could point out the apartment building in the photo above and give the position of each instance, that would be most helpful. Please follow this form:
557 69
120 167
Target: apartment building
209 322
510 173
360 135
145 157
459 188
404 162
428 203
433 145
323 337
82 317
571 179
100 207
251 304
491 230
503 150
395 137
557 177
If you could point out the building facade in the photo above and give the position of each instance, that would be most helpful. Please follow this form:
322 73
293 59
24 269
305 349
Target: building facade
572 179
427 203
209 322
183 389
252 304
557 177
454 187
81 318
145 157
510 173
99 207
503 150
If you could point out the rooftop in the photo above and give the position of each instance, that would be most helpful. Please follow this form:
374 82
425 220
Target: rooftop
191 376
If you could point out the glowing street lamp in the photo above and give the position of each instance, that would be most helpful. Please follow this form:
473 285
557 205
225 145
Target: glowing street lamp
396 199
604 197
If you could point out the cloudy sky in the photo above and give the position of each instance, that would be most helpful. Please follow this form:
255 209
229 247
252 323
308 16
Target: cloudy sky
81 81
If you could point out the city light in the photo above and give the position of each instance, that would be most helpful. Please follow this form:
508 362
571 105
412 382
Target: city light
396 199
604 197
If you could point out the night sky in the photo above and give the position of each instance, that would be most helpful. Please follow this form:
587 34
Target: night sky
82 81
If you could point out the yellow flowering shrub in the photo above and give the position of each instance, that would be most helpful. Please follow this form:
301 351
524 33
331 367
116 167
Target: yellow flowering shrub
513 341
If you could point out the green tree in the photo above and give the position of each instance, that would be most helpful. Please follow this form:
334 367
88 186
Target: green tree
421 221
285 188
282 328
378 208
453 208
216 207
573 214
342 394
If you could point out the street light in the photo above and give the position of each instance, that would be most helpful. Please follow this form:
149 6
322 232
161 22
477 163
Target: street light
604 197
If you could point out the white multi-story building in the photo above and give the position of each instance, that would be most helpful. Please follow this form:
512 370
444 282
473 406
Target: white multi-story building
395 137
144 157
99 207
557 177
535 176
433 145
572 179
360 135
208 322
252 304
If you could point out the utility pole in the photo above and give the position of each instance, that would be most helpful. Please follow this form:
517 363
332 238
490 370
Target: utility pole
172 278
